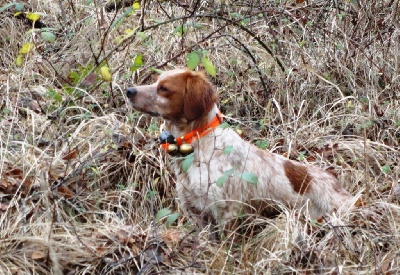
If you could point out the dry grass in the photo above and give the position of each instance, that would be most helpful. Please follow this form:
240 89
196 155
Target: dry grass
81 176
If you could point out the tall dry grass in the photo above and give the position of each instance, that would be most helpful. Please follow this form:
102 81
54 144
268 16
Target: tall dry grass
83 181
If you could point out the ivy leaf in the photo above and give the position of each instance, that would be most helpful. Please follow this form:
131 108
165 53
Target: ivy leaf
48 36
209 66
162 213
187 162
222 179
193 60
249 177
137 63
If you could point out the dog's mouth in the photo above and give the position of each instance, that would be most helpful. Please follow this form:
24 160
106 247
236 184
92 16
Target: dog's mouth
144 110
153 113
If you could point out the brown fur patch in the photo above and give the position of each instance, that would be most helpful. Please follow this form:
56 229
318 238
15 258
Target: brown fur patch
331 171
200 96
298 176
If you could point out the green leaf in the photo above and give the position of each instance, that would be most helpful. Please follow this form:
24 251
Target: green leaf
228 149
119 20
142 35
30 31
48 36
194 24
54 95
156 70
385 169
262 144
33 16
6 6
20 60
187 162
19 6
192 60
151 194
209 66
301 156
172 218
180 30
136 5
245 21
26 48
249 177
224 125
222 179
234 14
162 213
137 63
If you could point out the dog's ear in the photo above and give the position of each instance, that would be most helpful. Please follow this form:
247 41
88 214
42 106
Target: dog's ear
200 96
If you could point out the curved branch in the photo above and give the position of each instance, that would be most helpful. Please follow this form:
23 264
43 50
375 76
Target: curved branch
250 54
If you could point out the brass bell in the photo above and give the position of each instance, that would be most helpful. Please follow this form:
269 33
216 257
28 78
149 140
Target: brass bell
186 148
172 149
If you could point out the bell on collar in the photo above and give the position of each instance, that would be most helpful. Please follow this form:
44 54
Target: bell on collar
186 148
172 149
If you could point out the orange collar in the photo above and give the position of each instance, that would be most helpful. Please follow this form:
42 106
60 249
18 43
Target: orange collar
188 138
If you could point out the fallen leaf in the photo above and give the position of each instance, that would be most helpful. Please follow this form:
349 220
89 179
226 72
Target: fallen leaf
3 206
65 192
171 237
397 192
37 255
89 80
29 103
72 154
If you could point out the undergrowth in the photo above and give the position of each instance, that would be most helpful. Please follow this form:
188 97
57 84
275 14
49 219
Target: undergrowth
84 188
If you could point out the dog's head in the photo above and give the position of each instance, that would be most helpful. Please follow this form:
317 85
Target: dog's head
177 95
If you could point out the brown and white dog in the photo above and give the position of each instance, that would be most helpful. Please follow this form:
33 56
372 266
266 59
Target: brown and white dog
228 175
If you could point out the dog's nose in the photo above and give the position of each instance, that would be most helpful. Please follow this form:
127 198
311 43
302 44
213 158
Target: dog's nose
132 91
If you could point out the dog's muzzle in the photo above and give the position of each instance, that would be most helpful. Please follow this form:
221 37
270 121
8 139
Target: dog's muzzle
131 94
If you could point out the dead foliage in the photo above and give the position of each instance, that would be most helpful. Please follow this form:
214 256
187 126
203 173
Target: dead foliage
84 187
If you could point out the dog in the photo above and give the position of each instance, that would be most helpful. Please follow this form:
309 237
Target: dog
220 176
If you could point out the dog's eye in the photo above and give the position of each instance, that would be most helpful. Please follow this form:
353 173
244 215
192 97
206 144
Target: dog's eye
162 88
